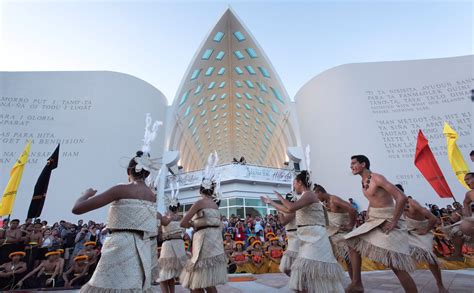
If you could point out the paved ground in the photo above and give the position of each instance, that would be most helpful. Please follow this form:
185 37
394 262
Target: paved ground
461 281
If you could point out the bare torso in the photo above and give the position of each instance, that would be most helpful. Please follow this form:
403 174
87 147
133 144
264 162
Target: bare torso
13 236
412 211
377 196
332 206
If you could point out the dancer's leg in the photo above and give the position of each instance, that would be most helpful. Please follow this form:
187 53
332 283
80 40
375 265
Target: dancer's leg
406 281
435 270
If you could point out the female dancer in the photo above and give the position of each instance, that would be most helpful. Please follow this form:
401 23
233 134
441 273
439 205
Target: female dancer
315 269
207 267
125 264
173 256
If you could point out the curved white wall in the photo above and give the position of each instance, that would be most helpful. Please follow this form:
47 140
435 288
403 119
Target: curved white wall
102 112
356 109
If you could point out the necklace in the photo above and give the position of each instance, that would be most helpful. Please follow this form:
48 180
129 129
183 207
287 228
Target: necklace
367 182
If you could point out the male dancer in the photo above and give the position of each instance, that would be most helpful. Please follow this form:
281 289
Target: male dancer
341 217
419 223
383 237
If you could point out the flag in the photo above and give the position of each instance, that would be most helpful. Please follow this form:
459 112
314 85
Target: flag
454 155
9 195
429 168
41 186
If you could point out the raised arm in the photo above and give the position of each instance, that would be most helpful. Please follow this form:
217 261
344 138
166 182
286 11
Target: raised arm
165 220
399 197
292 206
283 200
89 201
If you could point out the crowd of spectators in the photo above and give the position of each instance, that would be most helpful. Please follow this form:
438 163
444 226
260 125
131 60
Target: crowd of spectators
35 254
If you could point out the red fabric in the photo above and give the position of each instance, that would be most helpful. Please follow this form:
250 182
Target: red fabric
426 163
240 234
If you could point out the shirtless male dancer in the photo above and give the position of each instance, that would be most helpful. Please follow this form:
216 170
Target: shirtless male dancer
342 218
383 237
420 221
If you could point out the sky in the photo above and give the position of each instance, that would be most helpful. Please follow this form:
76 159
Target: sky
156 40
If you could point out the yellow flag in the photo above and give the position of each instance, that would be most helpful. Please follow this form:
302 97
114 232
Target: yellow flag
9 195
454 154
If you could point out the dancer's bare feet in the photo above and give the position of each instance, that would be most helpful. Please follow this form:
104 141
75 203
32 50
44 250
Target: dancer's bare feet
354 288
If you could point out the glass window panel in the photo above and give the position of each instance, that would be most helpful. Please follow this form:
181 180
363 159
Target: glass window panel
238 95
271 119
249 84
236 212
188 110
214 108
277 95
198 89
224 106
222 85
247 106
266 136
223 96
209 71
203 112
264 72
250 69
215 117
258 110
239 70
238 105
251 52
254 202
218 37
221 71
223 202
195 74
201 101
207 54
220 55
191 122
268 128
211 85
236 201
247 115
238 83
237 113
184 97
248 96
239 36
213 97
262 87
239 55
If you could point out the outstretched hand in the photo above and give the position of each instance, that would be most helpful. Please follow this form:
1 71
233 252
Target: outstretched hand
278 194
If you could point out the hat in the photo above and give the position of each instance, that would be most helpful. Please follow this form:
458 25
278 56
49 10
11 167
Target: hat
90 243
274 239
60 250
256 242
52 253
81 257
270 234
239 242
227 234
15 253
251 238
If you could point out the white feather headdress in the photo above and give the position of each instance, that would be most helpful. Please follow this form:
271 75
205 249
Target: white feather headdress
172 199
145 162
210 178
308 165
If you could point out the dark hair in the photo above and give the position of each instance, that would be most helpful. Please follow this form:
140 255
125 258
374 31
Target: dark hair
472 153
319 188
15 220
362 159
469 174
303 177
174 208
143 174
399 186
